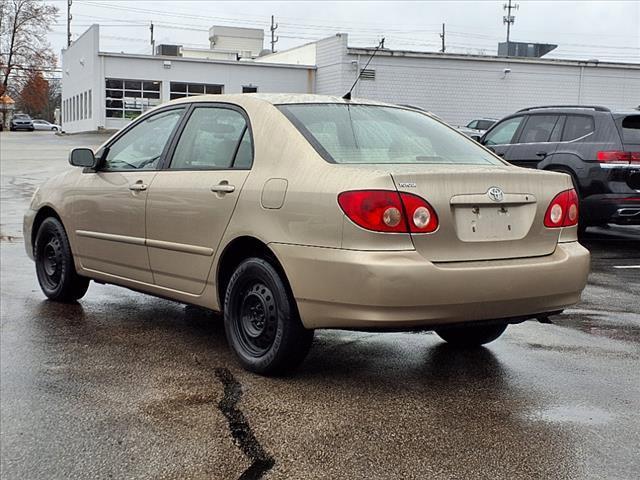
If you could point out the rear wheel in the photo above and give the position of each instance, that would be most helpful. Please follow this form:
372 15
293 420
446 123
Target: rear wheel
471 335
261 320
54 264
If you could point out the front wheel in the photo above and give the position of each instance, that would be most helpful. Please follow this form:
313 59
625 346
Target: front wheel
261 320
471 335
54 129
54 264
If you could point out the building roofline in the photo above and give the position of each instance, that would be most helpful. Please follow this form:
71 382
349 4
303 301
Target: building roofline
205 60
488 58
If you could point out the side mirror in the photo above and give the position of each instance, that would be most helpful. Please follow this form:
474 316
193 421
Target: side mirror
82 157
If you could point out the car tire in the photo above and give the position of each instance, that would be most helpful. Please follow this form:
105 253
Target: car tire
471 335
261 320
54 129
55 268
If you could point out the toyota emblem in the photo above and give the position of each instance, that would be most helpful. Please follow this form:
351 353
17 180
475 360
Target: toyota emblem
495 194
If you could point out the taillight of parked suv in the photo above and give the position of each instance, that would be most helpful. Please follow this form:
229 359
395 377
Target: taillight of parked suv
388 211
618 156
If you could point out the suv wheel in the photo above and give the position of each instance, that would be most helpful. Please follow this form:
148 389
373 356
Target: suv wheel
55 269
261 320
471 335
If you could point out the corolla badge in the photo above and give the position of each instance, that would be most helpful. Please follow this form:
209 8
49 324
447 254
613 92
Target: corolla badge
495 194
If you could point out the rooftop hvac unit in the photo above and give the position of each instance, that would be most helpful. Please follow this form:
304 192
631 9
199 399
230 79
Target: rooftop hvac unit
169 50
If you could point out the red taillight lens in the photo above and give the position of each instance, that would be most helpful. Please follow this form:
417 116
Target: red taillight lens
563 210
421 217
388 211
618 157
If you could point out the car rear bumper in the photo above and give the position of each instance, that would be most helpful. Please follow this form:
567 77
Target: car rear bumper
610 208
337 288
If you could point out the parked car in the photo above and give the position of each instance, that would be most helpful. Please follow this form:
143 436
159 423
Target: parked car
476 128
291 213
598 148
21 121
39 124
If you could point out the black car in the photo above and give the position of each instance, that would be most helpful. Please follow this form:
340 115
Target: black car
599 148
21 121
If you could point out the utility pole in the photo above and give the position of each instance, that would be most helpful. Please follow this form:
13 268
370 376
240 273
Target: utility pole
274 39
442 37
69 2
153 42
509 19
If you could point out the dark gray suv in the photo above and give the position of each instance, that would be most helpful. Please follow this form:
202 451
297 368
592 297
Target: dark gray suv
599 148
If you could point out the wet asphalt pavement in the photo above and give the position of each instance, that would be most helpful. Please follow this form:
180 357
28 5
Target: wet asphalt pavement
124 385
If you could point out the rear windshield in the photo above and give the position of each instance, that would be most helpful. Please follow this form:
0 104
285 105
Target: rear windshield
631 129
485 124
344 133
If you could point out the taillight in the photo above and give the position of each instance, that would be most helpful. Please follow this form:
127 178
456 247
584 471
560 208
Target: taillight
388 211
421 216
618 156
563 210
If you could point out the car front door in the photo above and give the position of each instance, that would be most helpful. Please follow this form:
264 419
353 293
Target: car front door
538 139
500 137
109 204
191 201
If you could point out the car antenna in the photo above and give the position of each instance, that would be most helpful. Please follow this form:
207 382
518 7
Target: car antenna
347 96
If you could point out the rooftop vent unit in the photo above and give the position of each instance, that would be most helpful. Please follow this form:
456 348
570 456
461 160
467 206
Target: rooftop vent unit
524 49
169 50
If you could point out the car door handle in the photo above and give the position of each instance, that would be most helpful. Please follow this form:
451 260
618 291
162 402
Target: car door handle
223 188
541 154
138 187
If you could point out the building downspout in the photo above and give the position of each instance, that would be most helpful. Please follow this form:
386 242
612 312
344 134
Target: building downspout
580 84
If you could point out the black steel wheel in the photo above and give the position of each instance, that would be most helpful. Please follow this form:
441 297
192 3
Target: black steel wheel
471 334
261 320
55 269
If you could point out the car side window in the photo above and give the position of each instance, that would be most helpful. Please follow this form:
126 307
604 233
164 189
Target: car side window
210 140
577 126
503 133
538 129
473 124
141 147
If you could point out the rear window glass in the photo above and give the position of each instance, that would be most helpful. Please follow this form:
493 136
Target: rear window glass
345 133
577 126
631 129
538 129
485 124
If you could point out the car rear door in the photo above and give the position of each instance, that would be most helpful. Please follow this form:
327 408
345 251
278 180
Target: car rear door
500 138
538 138
191 201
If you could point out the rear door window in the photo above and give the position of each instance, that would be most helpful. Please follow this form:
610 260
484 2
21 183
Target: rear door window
538 129
577 126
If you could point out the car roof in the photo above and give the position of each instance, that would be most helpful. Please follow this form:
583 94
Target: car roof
276 99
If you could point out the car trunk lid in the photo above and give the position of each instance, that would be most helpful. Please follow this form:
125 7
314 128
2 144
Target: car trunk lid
484 213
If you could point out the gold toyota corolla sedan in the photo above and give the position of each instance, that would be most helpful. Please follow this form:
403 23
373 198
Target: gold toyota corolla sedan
295 212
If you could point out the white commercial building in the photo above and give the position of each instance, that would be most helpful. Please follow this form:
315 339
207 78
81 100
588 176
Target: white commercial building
106 90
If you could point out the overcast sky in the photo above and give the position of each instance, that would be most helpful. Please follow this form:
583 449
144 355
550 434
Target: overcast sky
606 30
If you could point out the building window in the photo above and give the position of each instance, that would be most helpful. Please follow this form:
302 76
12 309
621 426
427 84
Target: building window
180 89
84 105
129 98
89 102
249 89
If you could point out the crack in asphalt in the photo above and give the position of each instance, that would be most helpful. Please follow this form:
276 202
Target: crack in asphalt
261 461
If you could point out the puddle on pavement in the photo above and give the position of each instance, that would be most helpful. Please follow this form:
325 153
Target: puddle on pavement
577 414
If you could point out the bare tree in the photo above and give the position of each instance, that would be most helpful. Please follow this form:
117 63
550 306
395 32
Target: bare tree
24 48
